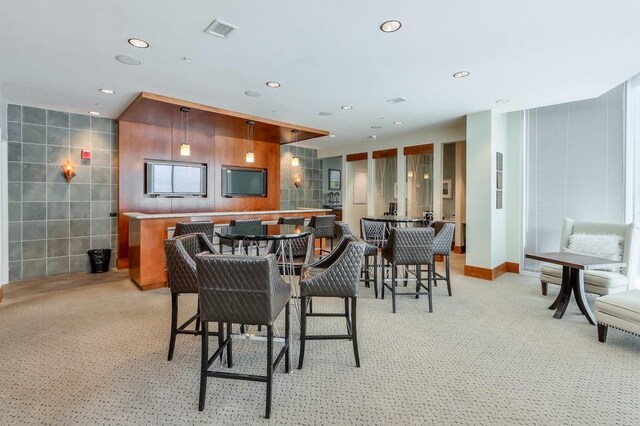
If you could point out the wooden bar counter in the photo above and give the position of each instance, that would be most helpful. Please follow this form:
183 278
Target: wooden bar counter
147 233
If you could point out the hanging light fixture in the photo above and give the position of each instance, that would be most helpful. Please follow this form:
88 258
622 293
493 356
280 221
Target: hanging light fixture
410 174
426 176
295 161
250 157
185 148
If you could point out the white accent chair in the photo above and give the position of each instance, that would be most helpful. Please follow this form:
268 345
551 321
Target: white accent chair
599 282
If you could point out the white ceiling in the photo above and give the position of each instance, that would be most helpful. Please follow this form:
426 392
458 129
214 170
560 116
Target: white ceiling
57 54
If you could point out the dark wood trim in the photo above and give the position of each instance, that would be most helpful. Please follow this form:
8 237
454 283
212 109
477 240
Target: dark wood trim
418 149
477 272
357 157
392 152
513 267
459 249
491 274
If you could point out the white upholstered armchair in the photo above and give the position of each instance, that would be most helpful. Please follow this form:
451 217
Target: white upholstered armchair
599 282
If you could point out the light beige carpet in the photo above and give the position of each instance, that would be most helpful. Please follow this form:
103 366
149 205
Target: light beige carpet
491 354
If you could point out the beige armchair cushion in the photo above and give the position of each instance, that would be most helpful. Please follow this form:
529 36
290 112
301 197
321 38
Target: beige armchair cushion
600 282
620 310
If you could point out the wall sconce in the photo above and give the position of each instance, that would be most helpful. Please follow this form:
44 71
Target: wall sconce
68 170
297 181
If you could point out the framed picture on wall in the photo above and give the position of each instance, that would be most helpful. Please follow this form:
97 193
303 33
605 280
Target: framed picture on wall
335 180
447 188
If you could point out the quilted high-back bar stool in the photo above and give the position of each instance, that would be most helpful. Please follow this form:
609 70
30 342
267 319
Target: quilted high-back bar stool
324 227
335 275
241 290
442 247
409 247
181 270
370 251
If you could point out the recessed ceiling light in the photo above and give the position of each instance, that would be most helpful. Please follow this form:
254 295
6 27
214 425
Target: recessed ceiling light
107 91
273 84
461 74
376 127
390 26
136 42
346 107
332 135
324 113
94 113
502 101
252 93
397 122
128 60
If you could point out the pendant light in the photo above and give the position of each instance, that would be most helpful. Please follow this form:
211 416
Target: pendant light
426 176
295 161
185 148
250 157
410 174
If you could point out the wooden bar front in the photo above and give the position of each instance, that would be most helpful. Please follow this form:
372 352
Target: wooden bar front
147 266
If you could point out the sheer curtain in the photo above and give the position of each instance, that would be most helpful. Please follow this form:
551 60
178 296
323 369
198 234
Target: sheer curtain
574 167
419 184
386 188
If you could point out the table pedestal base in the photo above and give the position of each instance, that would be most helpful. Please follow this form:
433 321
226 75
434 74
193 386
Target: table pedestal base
572 280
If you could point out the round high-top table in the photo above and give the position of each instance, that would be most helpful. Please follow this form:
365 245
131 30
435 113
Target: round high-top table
282 235
395 219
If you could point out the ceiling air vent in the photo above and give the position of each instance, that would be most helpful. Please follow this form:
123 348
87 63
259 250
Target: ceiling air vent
220 28
396 100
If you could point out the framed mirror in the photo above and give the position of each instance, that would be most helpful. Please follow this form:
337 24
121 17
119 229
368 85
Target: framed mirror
335 180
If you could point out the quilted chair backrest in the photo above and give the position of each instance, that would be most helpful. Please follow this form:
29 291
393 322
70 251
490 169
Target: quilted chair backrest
628 231
298 220
205 227
444 238
323 225
181 267
373 232
343 230
245 222
411 246
239 289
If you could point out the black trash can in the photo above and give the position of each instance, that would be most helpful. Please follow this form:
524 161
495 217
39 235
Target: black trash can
99 259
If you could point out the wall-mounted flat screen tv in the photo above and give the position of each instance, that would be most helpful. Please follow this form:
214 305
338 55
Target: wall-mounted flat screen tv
244 182
173 179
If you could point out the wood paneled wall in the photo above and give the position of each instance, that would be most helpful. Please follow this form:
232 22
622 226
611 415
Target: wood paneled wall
138 142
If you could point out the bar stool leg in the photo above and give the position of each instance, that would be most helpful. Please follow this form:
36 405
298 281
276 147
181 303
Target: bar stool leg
354 330
269 369
204 365
448 272
394 277
303 329
174 325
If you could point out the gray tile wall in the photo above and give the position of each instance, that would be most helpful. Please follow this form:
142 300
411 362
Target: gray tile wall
310 171
52 224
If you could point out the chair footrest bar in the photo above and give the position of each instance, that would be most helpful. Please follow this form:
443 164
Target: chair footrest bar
320 314
255 338
329 337
195 333
237 376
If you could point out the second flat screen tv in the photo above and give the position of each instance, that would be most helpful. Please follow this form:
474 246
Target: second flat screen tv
244 182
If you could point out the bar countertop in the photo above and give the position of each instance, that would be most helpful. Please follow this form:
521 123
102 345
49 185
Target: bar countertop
142 216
